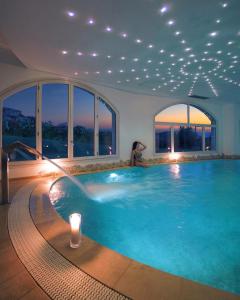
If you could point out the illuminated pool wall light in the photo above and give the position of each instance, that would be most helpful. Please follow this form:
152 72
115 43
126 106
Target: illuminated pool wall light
75 224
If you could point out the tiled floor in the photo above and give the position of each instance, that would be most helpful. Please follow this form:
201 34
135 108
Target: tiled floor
15 281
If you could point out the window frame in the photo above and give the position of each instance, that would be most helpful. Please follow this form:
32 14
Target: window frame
71 84
188 124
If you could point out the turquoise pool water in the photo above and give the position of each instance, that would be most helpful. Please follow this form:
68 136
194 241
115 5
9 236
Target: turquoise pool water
180 218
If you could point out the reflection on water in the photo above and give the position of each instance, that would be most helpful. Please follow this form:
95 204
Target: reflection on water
186 214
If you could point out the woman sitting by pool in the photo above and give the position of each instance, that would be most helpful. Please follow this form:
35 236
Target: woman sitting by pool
136 155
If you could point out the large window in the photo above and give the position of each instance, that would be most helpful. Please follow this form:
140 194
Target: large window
19 121
183 128
83 123
107 129
60 120
55 120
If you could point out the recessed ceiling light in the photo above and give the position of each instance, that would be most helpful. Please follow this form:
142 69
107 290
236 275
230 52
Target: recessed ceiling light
162 51
164 9
213 34
91 21
171 22
209 44
79 53
132 70
218 21
64 52
123 58
109 71
75 73
187 49
94 54
108 29
230 42
124 35
135 59
121 71
71 13
149 61
138 41
150 46
97 72
225 4
183 41
177 32
109 56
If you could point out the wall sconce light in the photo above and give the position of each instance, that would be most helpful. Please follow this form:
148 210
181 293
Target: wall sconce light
75 224
174 156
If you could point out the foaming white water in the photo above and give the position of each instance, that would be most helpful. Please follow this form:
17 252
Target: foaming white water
106 192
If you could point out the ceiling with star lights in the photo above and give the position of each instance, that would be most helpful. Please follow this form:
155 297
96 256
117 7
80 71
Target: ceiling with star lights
179 48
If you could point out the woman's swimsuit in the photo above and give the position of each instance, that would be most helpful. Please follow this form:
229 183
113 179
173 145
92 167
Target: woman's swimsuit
137 157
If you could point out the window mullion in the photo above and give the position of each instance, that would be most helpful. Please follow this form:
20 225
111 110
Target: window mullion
70 121
172 139
188 115
39 119
96 126
203 139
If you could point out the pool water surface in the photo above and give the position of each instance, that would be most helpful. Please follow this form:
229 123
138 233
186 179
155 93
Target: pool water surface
180 218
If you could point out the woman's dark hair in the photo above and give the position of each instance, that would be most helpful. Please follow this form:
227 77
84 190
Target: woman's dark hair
134 145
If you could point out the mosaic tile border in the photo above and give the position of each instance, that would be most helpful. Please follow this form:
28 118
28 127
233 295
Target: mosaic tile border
59 278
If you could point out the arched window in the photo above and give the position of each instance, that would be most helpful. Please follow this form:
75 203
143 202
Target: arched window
182 128
61 120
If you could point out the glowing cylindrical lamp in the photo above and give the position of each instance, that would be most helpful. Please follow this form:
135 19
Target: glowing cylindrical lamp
75 224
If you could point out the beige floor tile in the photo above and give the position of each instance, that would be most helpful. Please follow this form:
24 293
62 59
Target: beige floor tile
16 286
35 294
142 282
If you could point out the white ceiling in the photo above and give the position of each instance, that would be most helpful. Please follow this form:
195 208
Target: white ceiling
198 54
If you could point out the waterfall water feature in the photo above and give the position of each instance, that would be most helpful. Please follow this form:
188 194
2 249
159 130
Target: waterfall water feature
70 177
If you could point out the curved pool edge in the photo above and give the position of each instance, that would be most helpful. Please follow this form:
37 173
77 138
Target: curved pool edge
126 276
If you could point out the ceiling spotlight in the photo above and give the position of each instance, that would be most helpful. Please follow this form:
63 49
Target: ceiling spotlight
213 34
109 56
230 42
183 41
71 14
144 70
91 21
64 52
209 44
164 9
109 71
162 51
225 4
177 32
149 61
75 73
94 54
135 59
218 21
219 52
150 46
124 35
171 22
121 71
97 72
138 41
79 53
132 70
187 49
108 29
123 58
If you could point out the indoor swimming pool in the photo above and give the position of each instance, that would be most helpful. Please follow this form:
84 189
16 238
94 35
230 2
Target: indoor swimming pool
179 218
